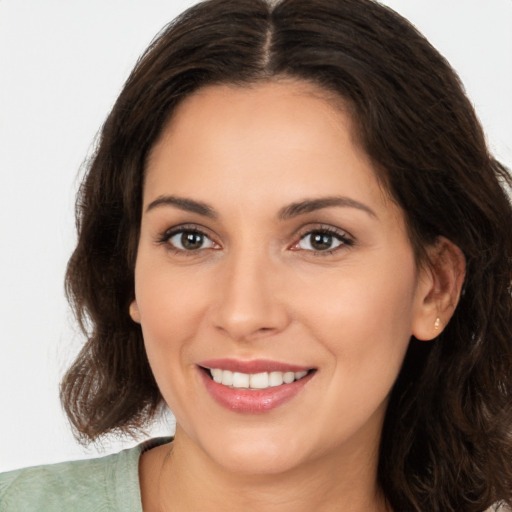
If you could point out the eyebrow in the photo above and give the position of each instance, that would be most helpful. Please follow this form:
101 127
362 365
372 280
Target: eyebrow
288 212
311 205
188 205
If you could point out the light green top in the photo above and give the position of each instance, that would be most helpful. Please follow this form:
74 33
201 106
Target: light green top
106 484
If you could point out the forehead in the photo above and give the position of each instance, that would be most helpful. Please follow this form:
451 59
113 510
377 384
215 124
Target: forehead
293 109
287 134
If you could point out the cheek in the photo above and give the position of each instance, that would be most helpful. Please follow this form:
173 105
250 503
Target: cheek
171 304
364 324
170 312
363 317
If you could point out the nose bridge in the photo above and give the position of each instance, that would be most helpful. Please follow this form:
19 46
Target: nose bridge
248 300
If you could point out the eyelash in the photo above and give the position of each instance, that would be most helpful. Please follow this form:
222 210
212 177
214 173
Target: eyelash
170 233
343 237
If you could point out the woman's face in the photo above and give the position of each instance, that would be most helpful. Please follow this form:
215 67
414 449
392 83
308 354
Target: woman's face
275 283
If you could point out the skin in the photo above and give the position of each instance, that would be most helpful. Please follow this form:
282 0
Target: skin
256 289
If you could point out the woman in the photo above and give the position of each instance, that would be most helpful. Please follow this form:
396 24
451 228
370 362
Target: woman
293 235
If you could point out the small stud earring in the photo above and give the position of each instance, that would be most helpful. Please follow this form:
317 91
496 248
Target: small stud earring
437 324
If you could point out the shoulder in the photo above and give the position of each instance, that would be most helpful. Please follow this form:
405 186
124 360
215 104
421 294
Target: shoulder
106 483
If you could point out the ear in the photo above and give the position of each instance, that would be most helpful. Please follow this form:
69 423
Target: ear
439 287
134 311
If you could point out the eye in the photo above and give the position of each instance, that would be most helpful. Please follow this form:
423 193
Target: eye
188 240
322 240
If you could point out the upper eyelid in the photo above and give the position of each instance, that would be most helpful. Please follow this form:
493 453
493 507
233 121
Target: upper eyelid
306 230
197 228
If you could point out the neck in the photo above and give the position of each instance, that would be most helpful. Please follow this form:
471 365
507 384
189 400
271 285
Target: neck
181 478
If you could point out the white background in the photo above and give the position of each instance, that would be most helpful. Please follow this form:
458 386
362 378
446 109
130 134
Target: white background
62 64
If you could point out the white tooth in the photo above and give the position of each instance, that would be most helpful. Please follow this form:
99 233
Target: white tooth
299 375
259 380
275 379
288 377
216 374
227 378
240 380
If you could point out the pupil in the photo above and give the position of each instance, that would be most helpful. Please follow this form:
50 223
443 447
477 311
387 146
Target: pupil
321 241
191 240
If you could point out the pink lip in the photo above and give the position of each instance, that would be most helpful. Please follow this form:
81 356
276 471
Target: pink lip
252 401
255 366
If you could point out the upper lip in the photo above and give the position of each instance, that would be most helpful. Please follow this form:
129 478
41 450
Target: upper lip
254 366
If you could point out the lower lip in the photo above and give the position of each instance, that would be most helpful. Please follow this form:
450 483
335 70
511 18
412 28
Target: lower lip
253 401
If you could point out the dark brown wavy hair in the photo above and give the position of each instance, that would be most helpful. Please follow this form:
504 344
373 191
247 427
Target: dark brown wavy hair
447 438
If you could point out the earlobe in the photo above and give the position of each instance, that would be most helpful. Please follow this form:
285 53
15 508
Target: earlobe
134 311
439 289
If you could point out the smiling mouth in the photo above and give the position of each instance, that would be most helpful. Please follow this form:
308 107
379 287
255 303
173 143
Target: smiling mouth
253 387
254 381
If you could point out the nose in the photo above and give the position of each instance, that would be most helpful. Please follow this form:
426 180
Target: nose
250 301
